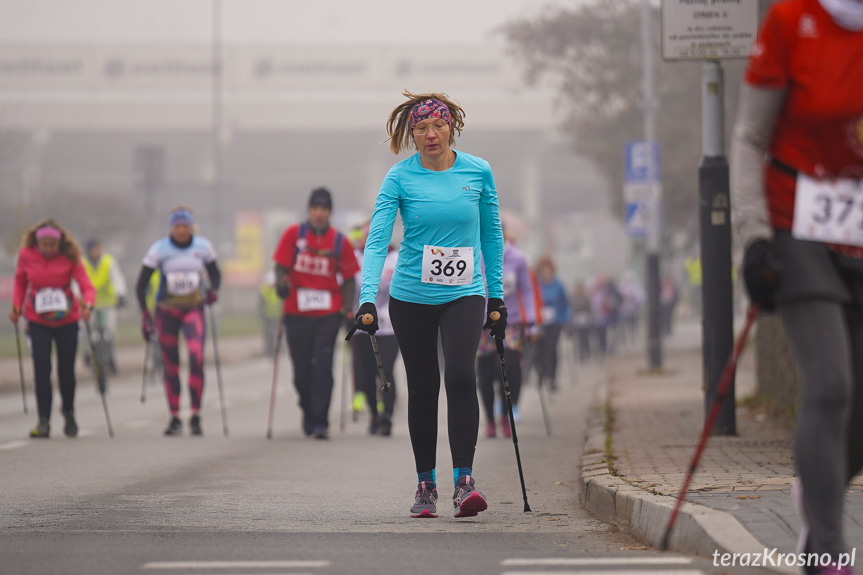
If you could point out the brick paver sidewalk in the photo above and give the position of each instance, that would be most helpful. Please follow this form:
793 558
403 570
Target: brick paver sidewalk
657 423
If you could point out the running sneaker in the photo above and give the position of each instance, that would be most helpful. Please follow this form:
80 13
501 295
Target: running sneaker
385 425
425 504
505 428
466 500
306 424
490 429
320 432
374 425
175 426
195 425
70 428
42 429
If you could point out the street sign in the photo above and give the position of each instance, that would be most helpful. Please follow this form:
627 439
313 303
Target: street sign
708 29
638 197
641 186
637 157
637 218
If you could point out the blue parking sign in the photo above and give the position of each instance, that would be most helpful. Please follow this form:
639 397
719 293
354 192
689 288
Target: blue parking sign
638 156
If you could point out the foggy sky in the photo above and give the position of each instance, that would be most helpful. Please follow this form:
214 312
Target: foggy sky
263 21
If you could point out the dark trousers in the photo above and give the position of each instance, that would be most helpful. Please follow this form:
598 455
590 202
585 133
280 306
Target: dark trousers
459 323
366 373
66 338
311 341
488 372
548 353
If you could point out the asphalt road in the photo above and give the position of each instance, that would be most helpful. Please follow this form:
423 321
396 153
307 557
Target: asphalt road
142 503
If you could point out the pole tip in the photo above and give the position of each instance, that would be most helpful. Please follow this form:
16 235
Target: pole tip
663 546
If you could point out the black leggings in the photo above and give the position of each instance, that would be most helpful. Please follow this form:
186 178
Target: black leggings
828 450
366 369
460 325
66 338
488 371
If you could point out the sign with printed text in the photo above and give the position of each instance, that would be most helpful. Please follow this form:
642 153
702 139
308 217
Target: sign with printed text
708 29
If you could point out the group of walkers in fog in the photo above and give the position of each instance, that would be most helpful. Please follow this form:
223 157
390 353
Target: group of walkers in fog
798 144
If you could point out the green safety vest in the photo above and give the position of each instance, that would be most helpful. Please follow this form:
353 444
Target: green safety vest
100 277
272 301
155 282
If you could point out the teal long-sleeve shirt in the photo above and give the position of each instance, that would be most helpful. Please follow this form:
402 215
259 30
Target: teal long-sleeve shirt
454 208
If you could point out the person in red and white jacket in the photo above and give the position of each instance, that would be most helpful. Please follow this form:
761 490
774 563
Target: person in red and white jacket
796 175
48 262
310 258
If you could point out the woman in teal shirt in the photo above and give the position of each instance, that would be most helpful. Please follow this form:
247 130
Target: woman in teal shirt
449 209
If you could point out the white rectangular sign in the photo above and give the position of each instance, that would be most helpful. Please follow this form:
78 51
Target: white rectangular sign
708 29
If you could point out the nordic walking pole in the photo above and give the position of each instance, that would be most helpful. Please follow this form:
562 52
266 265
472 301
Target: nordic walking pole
494 316
21 367
367 320
275 377
97 370
218 372
541 390
144 378
344 387
721 391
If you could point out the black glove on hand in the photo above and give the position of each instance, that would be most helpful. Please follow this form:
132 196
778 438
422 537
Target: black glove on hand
498 328
367 308
283 290
761 274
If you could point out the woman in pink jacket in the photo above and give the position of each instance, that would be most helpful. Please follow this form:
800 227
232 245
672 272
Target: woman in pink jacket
48 261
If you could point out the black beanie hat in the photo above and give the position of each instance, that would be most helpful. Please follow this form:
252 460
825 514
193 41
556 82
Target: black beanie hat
321 197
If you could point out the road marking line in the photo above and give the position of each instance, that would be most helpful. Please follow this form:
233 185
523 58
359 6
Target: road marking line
234 564
139 423
596 561
604 572
13 445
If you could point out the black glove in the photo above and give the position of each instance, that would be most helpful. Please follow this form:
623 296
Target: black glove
761 274
283 290
367 308
498 328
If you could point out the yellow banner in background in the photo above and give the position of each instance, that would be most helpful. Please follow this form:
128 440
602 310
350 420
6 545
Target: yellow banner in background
247 266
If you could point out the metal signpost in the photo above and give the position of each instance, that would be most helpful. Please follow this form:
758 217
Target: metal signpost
642 191
710 30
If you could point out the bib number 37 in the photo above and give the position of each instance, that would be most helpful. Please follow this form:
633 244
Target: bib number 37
829 211
447 266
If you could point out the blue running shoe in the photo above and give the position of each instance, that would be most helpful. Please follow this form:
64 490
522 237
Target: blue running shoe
426 500
466 500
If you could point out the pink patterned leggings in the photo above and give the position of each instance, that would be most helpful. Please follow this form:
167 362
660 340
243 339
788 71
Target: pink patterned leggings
169 321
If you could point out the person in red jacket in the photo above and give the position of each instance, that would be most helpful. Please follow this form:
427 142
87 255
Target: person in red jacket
796 174
309 258
48 261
